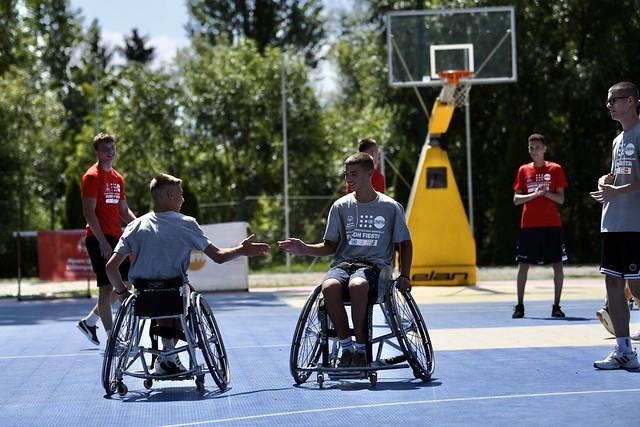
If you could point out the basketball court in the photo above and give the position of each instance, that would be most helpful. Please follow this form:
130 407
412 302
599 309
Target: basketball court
490 369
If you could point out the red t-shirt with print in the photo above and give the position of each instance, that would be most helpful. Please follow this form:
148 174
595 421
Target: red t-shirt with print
377 181
108 189
541 211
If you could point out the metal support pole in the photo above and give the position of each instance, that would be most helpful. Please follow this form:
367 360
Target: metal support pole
467 115
285 160
96 84
19 263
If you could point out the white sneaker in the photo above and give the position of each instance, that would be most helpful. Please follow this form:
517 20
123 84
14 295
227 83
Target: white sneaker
636 336
168 366
618 360
605 319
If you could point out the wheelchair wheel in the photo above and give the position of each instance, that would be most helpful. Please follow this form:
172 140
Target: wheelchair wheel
210 342
410 330
118 347
305 346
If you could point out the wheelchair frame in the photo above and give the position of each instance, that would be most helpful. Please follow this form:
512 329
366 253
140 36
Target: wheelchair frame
200 331
315 346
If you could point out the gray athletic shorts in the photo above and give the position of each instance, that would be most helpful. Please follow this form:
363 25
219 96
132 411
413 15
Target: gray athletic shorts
344 272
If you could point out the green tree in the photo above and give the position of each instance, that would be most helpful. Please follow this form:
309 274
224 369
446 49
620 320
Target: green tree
270 23
30 161
135 48
55 29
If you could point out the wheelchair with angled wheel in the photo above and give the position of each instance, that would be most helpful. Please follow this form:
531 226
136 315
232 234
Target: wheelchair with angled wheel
130 354
315 346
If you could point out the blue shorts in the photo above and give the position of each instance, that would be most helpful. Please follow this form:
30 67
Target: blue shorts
344 272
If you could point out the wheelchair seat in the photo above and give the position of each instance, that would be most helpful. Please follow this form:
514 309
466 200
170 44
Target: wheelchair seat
159 297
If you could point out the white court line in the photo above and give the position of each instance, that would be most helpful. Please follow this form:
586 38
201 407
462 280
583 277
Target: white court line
416 402
35 356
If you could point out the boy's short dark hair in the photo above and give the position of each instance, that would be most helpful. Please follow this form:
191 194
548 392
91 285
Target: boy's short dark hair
365 144
161 181
625 89
363 159
102 137
536 137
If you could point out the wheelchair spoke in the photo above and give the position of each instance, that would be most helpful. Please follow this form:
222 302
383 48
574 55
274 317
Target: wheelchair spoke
412 333
210 343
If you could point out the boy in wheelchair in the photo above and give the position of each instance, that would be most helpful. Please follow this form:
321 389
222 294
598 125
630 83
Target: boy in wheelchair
162 241
362 230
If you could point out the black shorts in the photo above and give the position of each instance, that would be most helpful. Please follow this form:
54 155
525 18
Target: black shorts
621 255
99 263
541 245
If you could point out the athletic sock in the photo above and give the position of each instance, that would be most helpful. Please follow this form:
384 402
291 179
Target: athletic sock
360 347
168 343
624 344
91 319
346 344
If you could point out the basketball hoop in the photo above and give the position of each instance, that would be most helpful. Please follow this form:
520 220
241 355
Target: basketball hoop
455 89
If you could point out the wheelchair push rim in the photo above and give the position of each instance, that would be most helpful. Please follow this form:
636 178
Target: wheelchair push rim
210 342
305 346
118 347
411 331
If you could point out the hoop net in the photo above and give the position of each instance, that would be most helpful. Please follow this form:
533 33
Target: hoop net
455 89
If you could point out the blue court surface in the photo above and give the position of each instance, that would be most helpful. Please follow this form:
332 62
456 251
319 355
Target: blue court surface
490 369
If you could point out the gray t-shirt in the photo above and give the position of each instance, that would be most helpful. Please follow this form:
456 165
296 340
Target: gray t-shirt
366 231
162 244
622 214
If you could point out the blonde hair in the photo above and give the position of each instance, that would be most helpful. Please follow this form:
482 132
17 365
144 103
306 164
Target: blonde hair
161 181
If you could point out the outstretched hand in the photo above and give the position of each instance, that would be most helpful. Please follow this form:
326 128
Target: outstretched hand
254 249
292 245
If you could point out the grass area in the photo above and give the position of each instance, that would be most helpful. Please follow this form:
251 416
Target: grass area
316 265
539 272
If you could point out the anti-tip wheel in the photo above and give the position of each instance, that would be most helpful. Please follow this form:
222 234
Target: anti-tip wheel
200 385
320 380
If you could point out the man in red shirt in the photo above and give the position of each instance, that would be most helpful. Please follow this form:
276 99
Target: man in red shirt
539 186
370 146
105 208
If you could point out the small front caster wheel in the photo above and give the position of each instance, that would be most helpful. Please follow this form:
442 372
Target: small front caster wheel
320 380
373 378
148 383
122 389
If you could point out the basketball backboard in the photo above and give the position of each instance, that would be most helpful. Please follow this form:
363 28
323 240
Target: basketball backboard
422 43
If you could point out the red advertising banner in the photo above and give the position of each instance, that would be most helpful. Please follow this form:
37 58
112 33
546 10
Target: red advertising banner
62 255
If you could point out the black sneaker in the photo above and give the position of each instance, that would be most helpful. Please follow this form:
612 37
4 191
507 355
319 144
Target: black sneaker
518 312
556 312
345 359
89 331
